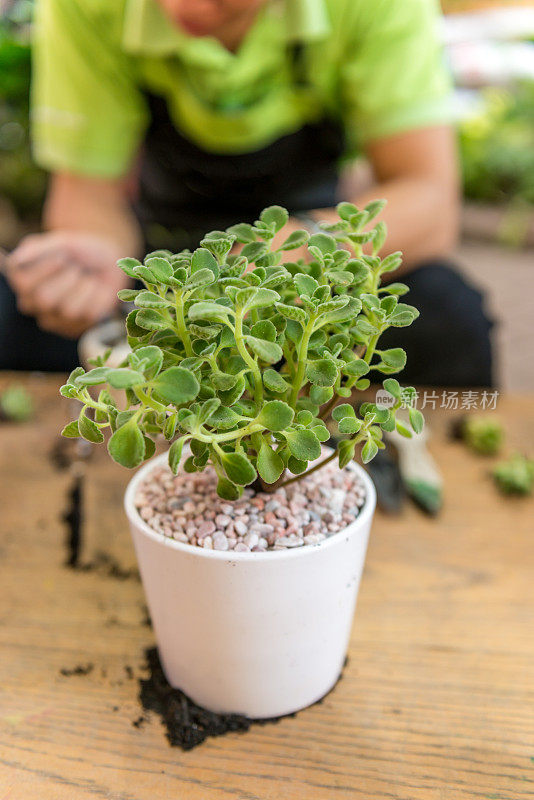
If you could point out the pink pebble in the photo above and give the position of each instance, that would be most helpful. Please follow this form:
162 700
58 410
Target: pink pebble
206 528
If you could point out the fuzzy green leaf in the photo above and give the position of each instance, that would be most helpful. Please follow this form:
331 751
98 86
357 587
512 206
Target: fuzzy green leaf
346 450
254 250
127 295
322 372
292 312
124 378
276 415
127 445
150 300
417 421
128 265
273 381
202 259
305 284
238 468
321 431
303 444
160 268
151 357
151 320
342 411
93 377
326 244
228 490
71 431
175 453
269 464
349 426
275 217
403 316
88 429
243 232
224 419
294 240
392 386
203 277
264 329
213 312
396 357
176 385
369 451
267 351
258 298
321 394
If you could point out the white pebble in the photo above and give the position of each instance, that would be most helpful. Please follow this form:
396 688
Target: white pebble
187 508
251 539
220 542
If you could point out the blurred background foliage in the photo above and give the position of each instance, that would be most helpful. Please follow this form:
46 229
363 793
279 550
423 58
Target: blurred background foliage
22 184
496 128
497 146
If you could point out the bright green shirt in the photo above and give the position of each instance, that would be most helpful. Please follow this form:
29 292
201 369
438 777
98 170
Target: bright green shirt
375 65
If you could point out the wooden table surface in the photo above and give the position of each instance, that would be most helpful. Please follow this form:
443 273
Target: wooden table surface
437 701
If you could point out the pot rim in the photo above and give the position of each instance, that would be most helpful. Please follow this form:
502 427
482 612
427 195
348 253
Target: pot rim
134 518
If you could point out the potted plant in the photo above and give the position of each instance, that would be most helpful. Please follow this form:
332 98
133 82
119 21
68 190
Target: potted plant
251 556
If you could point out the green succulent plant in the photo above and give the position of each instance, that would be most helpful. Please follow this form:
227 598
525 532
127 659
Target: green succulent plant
244 358
16 404
483 435
515 475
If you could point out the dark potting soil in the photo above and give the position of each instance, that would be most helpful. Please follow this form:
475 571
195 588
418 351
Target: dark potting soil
79 669
187 724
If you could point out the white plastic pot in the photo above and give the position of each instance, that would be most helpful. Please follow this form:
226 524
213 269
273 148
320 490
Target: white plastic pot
261 634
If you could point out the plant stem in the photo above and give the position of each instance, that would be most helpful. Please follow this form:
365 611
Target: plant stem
247 358
252 427
303 475
144 398
371 349
301 362
181 326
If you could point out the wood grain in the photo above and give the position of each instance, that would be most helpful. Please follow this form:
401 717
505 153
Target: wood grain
437 702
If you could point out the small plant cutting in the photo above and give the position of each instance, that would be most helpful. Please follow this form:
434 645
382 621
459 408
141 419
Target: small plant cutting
239 359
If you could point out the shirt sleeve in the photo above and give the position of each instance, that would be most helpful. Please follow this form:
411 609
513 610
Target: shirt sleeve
394 77
88 115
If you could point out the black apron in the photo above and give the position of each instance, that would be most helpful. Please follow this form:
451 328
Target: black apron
185 191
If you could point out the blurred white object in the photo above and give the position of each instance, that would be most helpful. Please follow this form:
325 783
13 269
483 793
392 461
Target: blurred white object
498 24
97 340
490 63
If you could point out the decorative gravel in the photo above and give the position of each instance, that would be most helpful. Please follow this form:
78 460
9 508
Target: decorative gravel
187 508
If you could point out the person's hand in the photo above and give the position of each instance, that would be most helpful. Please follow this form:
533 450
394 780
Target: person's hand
67 280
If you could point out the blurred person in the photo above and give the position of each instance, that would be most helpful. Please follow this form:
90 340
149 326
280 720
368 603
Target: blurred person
214 109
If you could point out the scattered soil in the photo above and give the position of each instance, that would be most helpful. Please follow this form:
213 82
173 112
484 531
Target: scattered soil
66 452
146 620
79 669
187 724
106 565
73 519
